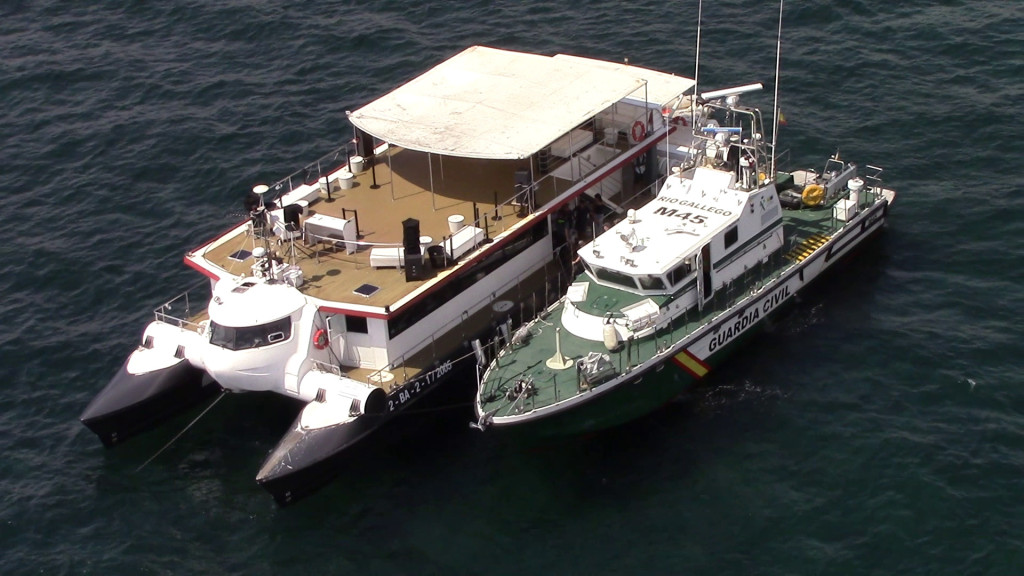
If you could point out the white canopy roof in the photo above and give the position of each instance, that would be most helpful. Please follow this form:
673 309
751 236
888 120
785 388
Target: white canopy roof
497 104
662 88
250 303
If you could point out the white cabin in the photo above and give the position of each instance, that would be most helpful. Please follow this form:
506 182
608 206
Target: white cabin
700 223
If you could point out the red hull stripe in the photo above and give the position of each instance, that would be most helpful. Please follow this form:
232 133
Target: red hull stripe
201 270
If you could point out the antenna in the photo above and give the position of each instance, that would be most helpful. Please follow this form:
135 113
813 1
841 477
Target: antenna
724 92
259 190
696 66
775 111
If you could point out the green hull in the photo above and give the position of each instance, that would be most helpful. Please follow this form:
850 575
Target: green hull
644 392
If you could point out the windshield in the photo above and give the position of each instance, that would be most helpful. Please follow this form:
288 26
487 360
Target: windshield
614 277
247 337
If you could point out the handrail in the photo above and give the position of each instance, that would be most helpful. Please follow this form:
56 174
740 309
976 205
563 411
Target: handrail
589 165
162 313
313 172
654 186
875 178
422 344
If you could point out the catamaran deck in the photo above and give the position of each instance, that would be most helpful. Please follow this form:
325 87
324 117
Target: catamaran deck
401 184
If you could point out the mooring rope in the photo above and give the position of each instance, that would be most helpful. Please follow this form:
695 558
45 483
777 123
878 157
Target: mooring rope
166 446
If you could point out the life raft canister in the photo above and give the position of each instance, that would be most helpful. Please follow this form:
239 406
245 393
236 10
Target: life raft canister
320 339
639 131
813 195
610 337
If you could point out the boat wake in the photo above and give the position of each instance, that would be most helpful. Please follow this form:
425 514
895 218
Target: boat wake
725 395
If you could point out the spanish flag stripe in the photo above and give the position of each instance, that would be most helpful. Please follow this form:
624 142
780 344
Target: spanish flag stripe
691 364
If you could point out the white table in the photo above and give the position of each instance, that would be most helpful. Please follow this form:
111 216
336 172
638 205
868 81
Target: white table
322 227
386 257
463 241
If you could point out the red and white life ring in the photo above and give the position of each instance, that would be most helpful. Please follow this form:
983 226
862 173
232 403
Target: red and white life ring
639 131
320 339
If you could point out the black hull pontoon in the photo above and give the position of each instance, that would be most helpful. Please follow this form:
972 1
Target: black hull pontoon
134 403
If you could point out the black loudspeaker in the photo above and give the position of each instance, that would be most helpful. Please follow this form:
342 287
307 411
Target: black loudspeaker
414 266
411 236
292 212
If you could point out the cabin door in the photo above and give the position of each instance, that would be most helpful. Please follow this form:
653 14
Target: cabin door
704 288
337 330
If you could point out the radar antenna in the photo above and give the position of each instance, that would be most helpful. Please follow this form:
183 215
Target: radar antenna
775 111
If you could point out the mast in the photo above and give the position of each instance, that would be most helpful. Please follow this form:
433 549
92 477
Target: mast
775 111
696 71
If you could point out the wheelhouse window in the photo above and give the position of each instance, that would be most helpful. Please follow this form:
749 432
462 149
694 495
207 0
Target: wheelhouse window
614 277
247 337
651 282
679 273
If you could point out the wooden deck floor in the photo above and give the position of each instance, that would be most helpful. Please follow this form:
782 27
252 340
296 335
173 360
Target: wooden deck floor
409 184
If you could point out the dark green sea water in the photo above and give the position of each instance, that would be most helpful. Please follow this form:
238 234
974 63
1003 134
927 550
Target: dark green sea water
877 429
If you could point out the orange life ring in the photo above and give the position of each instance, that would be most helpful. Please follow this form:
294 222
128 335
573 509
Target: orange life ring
638 131
680 120
320 339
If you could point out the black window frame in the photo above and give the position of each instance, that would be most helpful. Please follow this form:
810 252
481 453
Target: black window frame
250 337
466 278
732 235
356 324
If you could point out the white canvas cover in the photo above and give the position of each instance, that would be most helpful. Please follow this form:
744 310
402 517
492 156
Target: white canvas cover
498 104
662 88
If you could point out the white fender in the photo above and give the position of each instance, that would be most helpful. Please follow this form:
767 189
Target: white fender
611 337
164 341
336 399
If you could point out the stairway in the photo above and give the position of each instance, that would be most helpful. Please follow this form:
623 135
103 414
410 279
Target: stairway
807 247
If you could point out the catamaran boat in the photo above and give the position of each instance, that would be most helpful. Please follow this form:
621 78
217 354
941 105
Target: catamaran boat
369 284
670 290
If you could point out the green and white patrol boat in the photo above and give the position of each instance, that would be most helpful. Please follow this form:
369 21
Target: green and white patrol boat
668 291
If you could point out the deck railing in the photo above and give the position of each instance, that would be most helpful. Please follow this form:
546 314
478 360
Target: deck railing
183 310
313 172
489 346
